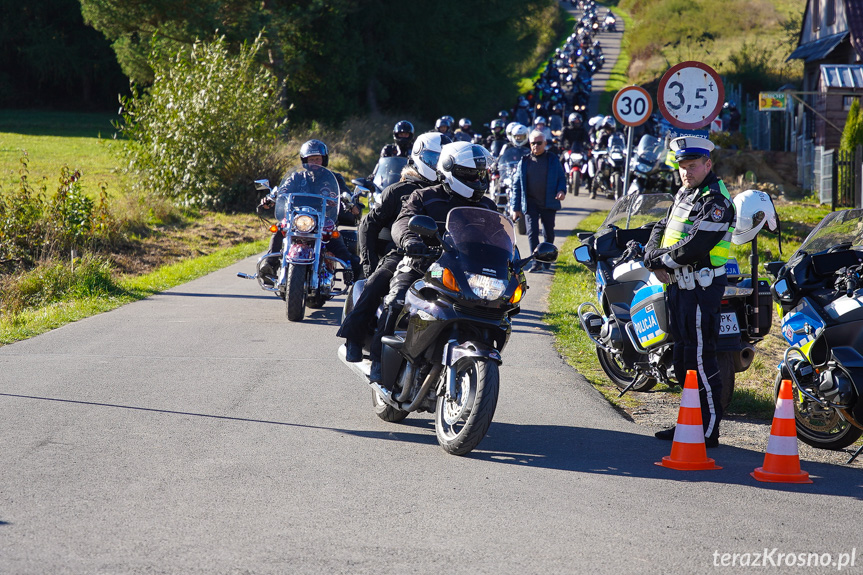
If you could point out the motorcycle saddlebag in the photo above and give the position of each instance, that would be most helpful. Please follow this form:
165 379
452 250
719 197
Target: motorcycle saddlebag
649 316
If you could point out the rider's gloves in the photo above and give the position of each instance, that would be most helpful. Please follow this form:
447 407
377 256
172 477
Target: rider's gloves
416 248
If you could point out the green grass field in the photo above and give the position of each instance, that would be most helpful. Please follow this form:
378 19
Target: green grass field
54 139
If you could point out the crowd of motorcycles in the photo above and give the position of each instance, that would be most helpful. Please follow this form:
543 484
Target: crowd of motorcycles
457 318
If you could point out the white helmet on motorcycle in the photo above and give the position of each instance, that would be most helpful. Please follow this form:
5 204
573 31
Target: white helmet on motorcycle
754 210
463 169
519 135
426 152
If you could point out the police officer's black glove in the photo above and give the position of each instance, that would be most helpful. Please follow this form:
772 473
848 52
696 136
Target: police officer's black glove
416 249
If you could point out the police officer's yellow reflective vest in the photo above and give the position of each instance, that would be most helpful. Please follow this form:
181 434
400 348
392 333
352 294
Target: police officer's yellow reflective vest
679 226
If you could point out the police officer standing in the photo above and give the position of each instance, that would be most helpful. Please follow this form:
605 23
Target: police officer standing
688 250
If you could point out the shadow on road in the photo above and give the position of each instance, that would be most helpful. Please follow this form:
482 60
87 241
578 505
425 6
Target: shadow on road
576 449
225 295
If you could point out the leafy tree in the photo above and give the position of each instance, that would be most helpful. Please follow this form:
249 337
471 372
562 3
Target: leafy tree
48 57
852 134
205 126
338 57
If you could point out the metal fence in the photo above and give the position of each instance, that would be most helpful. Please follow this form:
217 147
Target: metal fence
847 178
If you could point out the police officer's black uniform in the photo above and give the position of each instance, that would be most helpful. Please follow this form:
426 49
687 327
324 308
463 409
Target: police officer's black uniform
695 236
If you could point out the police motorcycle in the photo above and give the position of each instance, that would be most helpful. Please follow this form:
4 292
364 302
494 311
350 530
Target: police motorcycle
819 294
607 167
306 212
445 354
630 328
650 172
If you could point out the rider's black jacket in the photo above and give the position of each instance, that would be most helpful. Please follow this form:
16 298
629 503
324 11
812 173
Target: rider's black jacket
575 139
381 217
436 202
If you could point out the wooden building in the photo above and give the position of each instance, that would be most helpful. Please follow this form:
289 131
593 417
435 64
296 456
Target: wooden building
831 47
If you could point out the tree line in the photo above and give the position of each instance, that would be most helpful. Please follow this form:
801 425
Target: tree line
334 58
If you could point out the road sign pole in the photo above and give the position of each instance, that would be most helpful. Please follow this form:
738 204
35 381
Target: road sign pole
629 137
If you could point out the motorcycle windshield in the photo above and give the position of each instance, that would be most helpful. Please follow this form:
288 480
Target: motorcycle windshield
389 171
635 210
508 160
843 227
308 183
485 240
648 149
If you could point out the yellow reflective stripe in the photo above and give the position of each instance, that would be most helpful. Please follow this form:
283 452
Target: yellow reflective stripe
682 220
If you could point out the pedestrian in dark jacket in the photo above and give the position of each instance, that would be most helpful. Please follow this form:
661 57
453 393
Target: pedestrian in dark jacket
537 190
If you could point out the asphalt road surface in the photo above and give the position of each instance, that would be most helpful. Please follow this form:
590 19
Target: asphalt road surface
198 431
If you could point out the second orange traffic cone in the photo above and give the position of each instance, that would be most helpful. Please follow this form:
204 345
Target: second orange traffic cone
782 461
688 451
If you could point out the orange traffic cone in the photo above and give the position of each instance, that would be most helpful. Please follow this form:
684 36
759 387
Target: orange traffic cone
782 462
687 450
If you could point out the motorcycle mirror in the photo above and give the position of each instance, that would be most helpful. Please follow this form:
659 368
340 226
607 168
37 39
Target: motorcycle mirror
545 252
262 185
582 254
359 181
774 267
423 225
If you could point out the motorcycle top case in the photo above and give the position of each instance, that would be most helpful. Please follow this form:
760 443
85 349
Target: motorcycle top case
649 316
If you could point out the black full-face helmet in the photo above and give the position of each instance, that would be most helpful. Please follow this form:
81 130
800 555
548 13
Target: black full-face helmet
403 127
315 148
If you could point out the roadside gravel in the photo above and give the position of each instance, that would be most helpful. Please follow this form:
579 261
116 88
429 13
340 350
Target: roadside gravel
658 410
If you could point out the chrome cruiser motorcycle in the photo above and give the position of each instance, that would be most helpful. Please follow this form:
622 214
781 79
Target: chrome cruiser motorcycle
820 293
649 171
630 327
307 209
446 351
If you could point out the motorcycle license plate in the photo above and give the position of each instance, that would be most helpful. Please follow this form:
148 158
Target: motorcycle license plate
728 324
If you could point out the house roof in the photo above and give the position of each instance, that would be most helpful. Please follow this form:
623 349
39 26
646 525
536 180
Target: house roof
818 49
842 76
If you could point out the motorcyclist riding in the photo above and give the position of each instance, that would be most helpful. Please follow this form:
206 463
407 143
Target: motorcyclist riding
403 135
464 133
312 152
419 173
496 140
463 174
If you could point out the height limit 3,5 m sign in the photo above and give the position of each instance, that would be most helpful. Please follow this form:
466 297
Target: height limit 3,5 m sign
690 95
632 106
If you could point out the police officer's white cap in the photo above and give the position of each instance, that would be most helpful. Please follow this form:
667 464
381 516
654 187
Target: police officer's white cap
691 147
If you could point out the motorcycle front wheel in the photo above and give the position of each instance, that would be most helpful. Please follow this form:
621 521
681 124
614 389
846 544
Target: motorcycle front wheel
824 429
386 411
619 373
462 422
295 294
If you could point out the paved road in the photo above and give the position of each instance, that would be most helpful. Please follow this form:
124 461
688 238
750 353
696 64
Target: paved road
198 431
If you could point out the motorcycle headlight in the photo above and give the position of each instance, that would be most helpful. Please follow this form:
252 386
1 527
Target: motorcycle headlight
644 168
616 156
304 223
485 287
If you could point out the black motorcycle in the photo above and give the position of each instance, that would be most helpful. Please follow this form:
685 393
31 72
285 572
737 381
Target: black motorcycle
820 291
446 350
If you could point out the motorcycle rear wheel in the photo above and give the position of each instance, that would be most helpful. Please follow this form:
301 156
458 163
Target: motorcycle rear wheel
726 372
462 422
619 374
828 432
295 294
385 411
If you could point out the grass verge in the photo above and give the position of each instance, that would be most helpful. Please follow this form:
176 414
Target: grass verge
109 296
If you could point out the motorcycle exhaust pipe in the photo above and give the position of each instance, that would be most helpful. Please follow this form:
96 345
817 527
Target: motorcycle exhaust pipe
431 378
743 358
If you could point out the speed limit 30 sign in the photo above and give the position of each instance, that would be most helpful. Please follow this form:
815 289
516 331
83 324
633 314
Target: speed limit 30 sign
632 106
690 95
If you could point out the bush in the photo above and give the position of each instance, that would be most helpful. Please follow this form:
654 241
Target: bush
34 227
55 281
205 128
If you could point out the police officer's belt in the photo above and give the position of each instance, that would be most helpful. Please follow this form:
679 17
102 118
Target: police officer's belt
688 278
